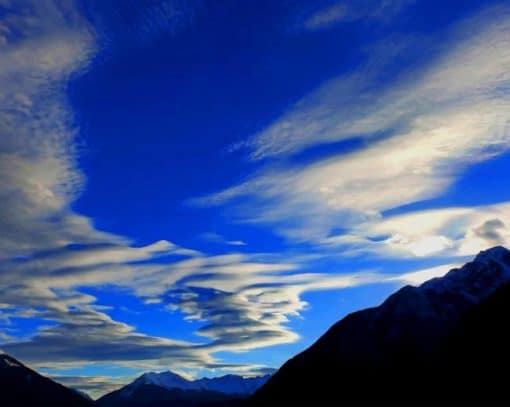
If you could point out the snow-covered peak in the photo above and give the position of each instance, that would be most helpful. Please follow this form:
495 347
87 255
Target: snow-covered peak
446 298
498 254
229 384
166 379
476 280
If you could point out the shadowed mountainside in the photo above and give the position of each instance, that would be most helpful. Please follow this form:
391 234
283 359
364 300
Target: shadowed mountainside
152 395
21 386
445 342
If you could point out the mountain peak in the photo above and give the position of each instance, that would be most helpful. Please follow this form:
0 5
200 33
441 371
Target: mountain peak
475 280
497 253
229 384
167 379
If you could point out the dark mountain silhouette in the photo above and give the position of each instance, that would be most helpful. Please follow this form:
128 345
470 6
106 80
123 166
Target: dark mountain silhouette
21 386
444 342
152 395
171 389
478 354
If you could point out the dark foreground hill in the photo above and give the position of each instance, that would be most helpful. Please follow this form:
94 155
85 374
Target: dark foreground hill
151 395
445 342
21 386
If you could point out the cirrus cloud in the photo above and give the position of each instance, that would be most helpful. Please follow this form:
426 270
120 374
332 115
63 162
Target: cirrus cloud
420 132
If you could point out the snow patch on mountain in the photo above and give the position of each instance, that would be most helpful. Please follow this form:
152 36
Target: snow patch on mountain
228 384
167 379
444 299
476 280
7 361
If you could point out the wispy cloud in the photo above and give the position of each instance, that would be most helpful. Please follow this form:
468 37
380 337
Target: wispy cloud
246 304
87 335
49 253
217 238
47 250
345 11
327 17
421 132
135 23
37 165
450 232
360 105
94 386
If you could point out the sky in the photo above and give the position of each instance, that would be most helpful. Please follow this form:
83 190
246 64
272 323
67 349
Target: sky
206 186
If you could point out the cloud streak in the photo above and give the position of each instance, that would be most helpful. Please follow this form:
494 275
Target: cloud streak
420 132
358 105
47 251
94 386
450 232
217 238
344 12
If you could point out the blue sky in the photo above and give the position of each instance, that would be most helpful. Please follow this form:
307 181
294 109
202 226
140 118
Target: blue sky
206 186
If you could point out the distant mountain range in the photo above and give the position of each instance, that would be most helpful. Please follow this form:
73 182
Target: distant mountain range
444 342
228 384
21 386
171 389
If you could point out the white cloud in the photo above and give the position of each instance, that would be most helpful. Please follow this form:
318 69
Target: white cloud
345 11
217 238
359 105
451 232
246 305
438 120
326 17
44 43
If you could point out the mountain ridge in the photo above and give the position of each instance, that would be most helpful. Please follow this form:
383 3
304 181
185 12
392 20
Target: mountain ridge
228 384
392 349
169 388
